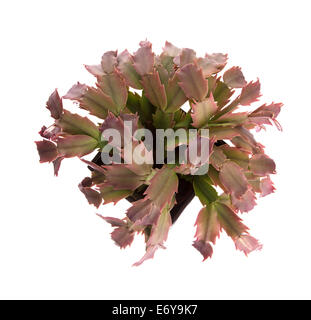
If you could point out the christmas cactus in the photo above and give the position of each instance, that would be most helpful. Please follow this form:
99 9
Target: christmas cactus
175 91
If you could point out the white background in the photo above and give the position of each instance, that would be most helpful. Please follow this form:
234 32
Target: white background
52 245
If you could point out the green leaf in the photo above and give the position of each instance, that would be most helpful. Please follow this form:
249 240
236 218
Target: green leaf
222 94
110 195
238 156
76 145
127 69
154 89
159 231
162 120
184 121
90 99
202 112
232 177
167 62
163 187
114 88
133 102
192 81
175 95
207 223
75 124
230 221
147 109
204 190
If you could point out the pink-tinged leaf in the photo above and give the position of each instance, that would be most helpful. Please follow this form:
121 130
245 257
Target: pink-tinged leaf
55 105
268 111
144 59
76 92
250 93
213 81
95 70
110 195
203 111
247 244
230 108
237 155
265 113
159 231
230 119
133 118
165 66
204 248
148 255
253 180
139 151
77 145
249 137
222 133
121 178
198 164
90 99
225 199
162 187
214 175
50 133
154 89
117 123
158 235
217 158
208 227
258 123
113 86
163 72
192 81
112 122
57 163
246 203
261 165
212 63
47 151
96 102
232 177
230 221
186 56
266 186
171 50
93 197
242 144
109 61
221 91
162 120
125 66
115 222
143 212
175 95
234 78
122 236
75 124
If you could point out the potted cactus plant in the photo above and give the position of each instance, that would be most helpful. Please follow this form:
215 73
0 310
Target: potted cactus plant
142 98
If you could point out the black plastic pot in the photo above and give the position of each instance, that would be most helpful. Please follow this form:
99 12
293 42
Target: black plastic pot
183 197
